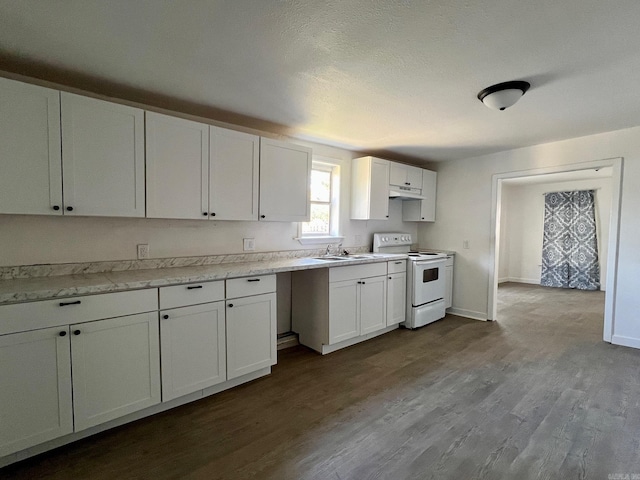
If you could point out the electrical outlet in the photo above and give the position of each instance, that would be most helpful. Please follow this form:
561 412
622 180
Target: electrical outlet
465 244
248 244
143 251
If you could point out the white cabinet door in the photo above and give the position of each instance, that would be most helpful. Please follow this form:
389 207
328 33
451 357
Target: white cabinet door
177 162
102 157
369 188
373 304
31 172
285 173
35 388
396 298
234 163
192 344
116 368
428 210
414 176
251 334
344 310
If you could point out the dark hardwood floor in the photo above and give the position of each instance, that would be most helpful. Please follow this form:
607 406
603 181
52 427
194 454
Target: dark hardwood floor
536 394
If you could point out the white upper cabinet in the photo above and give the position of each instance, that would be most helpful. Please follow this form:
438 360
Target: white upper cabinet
422 210
285 172
30 161
369 188
233 175
405 175
103 157
177 167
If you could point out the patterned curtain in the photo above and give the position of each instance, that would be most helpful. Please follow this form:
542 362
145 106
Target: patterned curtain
569 245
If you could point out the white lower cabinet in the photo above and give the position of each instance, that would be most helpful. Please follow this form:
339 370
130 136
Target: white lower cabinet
193 345
251 334
35 388
336 307
396 298
116 368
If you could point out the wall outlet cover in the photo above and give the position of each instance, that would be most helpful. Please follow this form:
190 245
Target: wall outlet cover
143 251
248 244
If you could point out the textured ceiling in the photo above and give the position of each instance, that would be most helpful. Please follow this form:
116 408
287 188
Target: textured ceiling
369 75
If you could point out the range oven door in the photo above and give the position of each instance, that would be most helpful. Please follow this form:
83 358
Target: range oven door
428 281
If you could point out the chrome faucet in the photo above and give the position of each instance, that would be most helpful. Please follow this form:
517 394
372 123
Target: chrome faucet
328 252
340 251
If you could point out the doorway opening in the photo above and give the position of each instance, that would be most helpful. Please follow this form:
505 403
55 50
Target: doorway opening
517 228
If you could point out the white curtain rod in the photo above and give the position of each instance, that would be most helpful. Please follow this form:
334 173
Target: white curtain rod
571 191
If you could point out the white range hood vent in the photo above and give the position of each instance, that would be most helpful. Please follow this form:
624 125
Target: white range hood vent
405 193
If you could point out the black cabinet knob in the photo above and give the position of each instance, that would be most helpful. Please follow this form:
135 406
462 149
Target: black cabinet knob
212 214
165 316
422 218
56 207
407 183
76 332
387 216
230 305
205 214
69 209
63 333
262 216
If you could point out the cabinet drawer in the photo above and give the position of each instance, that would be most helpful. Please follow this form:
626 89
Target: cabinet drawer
50 313
353 272
396 266
243 287
192 294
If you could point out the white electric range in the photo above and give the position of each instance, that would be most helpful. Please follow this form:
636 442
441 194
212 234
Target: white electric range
425 278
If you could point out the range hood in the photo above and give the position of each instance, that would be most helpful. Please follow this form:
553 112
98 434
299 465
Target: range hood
405 193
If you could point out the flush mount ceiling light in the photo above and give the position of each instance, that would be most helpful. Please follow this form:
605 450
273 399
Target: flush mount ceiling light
503 95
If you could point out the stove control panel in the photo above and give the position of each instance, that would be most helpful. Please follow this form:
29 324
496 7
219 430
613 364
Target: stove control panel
386 240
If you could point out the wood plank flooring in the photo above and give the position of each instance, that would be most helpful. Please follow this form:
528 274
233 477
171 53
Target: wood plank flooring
535 395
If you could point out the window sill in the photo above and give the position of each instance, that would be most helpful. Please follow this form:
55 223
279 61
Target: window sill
319 240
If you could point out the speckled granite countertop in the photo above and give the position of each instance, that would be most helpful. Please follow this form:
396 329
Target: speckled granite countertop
50 287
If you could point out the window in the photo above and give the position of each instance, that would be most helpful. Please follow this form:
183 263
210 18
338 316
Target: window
323 224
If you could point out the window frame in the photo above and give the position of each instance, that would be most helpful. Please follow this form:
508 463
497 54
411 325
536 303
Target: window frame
330 165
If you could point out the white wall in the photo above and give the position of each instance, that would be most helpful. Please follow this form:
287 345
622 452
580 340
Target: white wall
33 239
464 212
522 226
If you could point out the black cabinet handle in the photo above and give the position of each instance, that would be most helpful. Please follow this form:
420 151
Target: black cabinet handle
56 207
390 278
363 283
262 216
398 263
63 333
359 283
230 305
69 209
194 287
64 304
205 214
387 216
76 332
253 280
212 214
165 316
407 183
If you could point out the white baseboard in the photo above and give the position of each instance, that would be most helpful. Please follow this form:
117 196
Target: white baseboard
288 341
503 280
626 341
530 281
461 312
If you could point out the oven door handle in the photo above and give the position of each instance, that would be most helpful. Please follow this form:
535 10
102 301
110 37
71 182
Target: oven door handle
431 262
